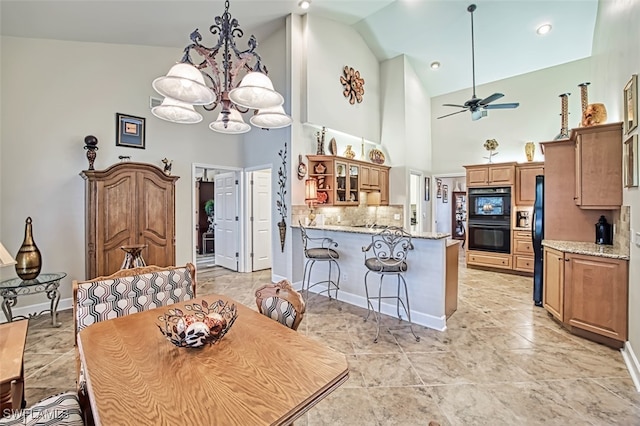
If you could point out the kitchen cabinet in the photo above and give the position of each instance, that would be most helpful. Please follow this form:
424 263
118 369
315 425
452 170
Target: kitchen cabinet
598 166
522 251
342 179
587 294
499 174
525 186
128 203
451 281
488 259
384 186
553 279
596 295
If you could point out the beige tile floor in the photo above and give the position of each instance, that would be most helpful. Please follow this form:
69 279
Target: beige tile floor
501 361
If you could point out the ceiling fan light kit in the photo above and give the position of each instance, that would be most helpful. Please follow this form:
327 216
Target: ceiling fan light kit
476 106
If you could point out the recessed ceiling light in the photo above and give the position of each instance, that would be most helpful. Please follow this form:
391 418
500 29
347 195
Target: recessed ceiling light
543 29
304 4
435 65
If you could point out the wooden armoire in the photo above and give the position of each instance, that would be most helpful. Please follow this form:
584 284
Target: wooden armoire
128 203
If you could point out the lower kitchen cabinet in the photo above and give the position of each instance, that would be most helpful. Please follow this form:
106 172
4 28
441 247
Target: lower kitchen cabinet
587 293
488 259
522 251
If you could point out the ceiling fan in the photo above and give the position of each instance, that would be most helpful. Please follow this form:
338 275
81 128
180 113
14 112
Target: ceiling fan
475 105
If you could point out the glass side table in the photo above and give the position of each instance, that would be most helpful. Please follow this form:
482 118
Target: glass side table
11 289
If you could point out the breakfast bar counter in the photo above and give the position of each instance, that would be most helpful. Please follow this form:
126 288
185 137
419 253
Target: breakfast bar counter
426 275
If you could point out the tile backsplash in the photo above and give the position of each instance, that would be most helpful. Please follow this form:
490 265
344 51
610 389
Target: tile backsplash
351 215
622 230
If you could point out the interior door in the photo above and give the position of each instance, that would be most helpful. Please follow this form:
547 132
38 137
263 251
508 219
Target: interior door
226 220
261 223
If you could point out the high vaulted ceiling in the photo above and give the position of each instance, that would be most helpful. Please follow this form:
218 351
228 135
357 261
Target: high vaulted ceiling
506 43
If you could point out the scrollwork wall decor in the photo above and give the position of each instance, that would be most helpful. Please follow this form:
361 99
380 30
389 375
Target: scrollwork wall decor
353 85
281 202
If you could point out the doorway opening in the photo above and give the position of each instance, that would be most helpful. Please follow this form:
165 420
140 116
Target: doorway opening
445 206
415 202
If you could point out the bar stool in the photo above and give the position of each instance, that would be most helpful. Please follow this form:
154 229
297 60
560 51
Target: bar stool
319 250
390 247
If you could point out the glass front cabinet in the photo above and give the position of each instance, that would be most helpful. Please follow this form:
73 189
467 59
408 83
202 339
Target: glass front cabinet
347 183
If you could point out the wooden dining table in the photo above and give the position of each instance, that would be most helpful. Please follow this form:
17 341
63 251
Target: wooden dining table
260 373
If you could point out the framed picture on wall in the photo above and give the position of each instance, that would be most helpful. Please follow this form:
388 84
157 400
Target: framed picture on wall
631 104
630 162
129 131
438 188
427 188
445 193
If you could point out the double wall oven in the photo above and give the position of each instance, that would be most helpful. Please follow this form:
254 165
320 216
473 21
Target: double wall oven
490 219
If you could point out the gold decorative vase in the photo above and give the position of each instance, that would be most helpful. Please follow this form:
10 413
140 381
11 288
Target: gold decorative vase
28 258
349 153
530 150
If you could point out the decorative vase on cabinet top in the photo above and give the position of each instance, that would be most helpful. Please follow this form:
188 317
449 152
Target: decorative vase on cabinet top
349 153
28 258
529 150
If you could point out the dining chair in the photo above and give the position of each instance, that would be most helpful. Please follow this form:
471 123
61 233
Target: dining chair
319 249
125 292
389 249
282 303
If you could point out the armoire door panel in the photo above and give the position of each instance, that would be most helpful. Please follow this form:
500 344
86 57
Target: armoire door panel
128 203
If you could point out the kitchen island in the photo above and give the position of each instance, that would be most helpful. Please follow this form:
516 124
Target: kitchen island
426 275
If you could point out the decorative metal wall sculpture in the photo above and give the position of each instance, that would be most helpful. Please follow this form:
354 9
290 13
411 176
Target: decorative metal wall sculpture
281 202
564 114
353 85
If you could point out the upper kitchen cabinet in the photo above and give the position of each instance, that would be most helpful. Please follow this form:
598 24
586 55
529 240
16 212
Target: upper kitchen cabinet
490 174
598 166
526 183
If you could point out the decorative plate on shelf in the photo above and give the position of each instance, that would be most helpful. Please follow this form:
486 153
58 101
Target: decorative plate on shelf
320 168
322 197
376 156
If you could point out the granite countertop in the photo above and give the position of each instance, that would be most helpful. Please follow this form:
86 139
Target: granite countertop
590 249
369 231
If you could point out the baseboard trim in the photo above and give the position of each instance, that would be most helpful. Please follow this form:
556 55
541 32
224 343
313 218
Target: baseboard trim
277 278
430 321
632 363
38 307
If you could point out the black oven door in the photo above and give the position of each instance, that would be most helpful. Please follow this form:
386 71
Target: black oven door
490 204
490 236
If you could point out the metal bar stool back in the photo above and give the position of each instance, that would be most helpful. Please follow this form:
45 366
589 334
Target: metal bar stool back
320 249
388 256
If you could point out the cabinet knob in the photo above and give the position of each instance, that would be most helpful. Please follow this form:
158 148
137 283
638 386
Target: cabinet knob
566 260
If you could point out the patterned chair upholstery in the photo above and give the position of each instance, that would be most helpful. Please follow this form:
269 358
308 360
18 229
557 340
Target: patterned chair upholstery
281 303
125 292
57 410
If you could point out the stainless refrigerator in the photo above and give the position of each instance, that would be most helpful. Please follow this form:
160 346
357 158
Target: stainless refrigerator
537 234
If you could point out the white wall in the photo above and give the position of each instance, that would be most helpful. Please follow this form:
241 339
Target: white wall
54 93
330 46
616 56
458 141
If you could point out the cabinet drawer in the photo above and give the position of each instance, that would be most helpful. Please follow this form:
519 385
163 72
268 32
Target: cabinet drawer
494 261
523 263
523 235
522 246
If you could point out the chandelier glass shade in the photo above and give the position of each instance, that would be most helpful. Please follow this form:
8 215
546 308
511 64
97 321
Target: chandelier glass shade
176 111
271 118
227 76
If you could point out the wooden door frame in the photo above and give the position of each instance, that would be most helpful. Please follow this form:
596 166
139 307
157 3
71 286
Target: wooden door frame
242 251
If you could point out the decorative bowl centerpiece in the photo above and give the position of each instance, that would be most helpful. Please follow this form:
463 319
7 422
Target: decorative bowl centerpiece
198 324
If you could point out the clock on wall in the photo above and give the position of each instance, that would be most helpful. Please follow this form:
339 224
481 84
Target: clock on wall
353 85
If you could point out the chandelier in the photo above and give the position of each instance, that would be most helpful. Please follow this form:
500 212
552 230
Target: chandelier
184 85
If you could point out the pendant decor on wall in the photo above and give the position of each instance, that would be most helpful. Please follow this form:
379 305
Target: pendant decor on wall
280 202
353 85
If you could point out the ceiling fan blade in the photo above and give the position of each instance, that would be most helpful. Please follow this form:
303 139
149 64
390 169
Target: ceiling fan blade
491 98
454 105
453 113
502 106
